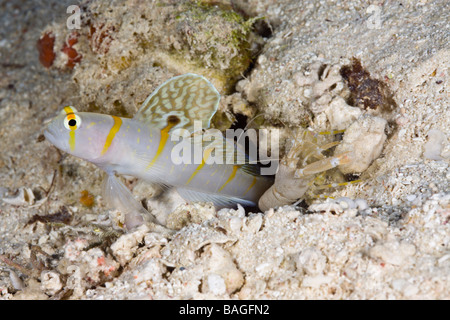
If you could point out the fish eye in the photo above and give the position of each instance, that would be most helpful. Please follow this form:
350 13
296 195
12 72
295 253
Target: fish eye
72 122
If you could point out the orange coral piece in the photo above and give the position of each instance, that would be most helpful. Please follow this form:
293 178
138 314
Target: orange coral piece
101 261
109 270
45 47
73 56
87 199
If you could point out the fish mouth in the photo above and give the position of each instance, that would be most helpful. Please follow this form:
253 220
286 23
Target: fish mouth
51 136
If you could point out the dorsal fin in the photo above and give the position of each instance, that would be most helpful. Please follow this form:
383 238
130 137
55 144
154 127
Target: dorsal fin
188 97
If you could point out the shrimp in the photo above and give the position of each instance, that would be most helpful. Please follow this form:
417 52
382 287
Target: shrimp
299 168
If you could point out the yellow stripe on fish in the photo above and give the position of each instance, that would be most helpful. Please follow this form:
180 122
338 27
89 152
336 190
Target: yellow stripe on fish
251 186
112 133
172 121
232 175
206 156
71 125
69 110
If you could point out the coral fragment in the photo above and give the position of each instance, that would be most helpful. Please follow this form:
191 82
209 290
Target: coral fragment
73 57
45 47
366 92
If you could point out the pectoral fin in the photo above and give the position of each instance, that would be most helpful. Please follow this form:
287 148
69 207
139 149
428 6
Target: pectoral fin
220 201
119 197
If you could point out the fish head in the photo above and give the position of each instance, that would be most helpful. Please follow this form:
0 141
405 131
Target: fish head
81 134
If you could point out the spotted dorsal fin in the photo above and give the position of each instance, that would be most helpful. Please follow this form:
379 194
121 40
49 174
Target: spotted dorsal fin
188 97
